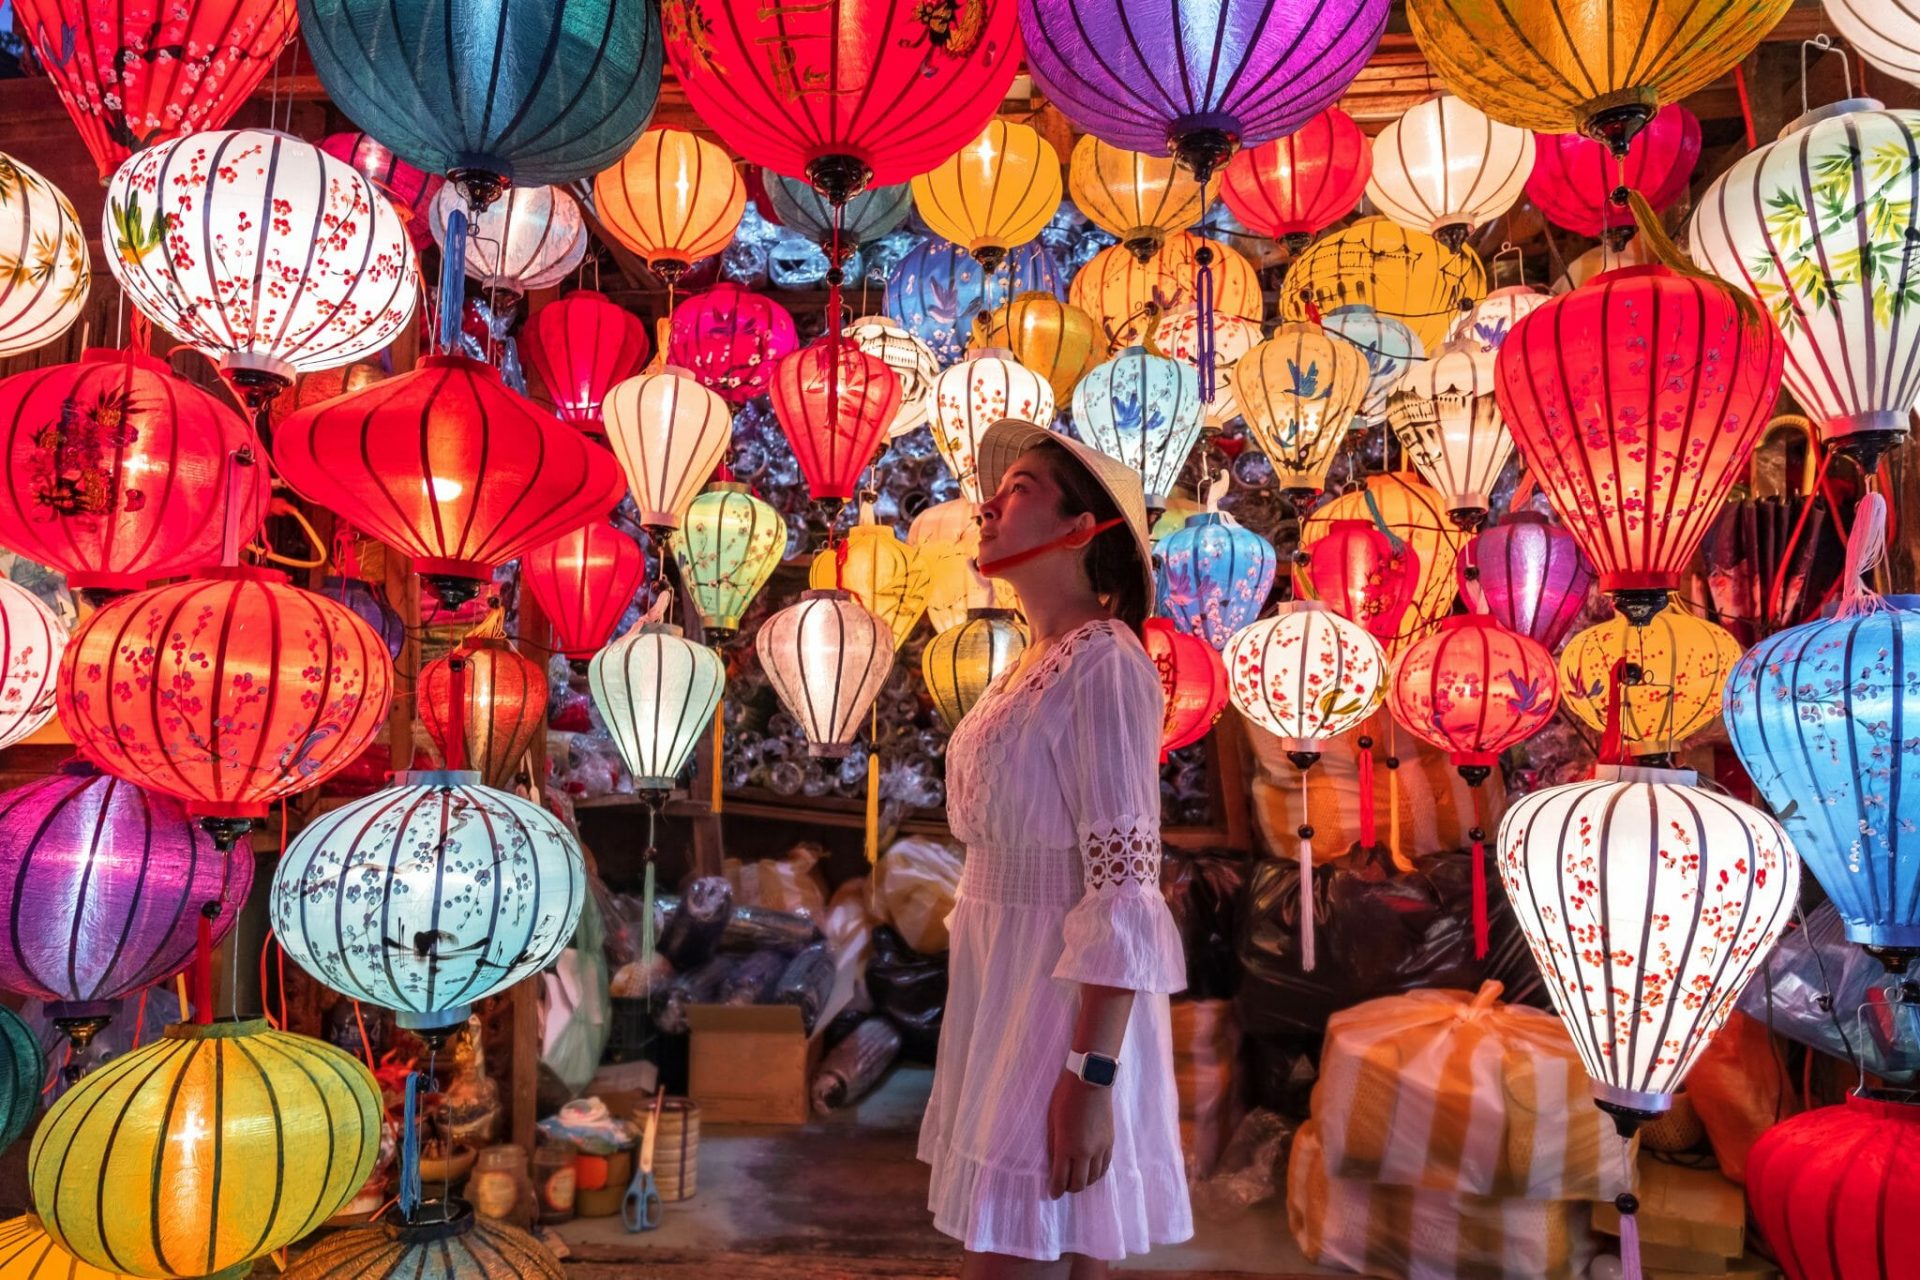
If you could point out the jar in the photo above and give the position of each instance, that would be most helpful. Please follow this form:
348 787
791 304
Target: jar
554 1180
499 1187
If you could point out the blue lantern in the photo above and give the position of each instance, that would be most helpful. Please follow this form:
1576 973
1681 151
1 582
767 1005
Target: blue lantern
873 213
1214 575
1390 347
1145 410
528 94
937 290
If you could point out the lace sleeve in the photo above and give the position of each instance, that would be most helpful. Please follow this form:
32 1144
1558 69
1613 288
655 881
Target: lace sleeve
1120 934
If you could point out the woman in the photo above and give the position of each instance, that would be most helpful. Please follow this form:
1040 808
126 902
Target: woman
1053 1127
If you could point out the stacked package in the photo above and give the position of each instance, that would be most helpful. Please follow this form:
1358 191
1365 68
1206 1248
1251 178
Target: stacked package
1452 1136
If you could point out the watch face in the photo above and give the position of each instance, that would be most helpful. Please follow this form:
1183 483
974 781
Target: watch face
1098 1070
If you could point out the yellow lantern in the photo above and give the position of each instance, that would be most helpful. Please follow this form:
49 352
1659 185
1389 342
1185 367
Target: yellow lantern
885 574
1417 515
727 547
674 198
1298 391
1142 199
962 661
948 539
205 1148
1396 270
996 192
1126 297
669 433
1055 339
1677 666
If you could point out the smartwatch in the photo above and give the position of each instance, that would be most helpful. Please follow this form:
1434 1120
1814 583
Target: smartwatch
1094 1068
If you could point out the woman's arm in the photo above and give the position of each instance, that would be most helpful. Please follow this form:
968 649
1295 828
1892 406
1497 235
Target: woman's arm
1080 1115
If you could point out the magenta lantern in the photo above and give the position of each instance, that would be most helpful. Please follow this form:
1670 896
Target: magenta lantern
729 339
1573 175
411 190
1531 576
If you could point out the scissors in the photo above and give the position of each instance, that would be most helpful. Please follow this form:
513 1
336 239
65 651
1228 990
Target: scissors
640 1207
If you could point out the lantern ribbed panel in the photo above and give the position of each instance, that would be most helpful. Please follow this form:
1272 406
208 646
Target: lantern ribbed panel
1573 176
971 396
826 655
118 472
657 691
1443 164
834 413
1484 326
1832 1189
730 339
229 691
885 574
1396 270
1648 903
584 582
673 199
997 191
1363 575
1299 391
1138 75
505 705
948 538
1055 339
1415 514
205 1148
1531 576
1296 187
429 895
1116 288
727 547
1143 409
937 289
410 190
868 216
1634 400
530 238
579 347
131 78
1448 420
469 1248
1683 662
1474 689
49 271
892 84
1140 198
1841 186
670 434
446 465
284 259
21 1072
1824 716
102 885
540 93
1214 576
27 1252
1886 33
31 642
1193 680
960 662
1391 349
911 361
1305 673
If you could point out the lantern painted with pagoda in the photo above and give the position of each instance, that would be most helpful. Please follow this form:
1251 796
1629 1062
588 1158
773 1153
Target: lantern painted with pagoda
1406 508
1054 339
584 582
974 394
1528 574
1126 296
1670 686
1299 391
48 268
834 403
1294 187
1574 177
937 289
1637 460
410 190
911 361
1448 420
826 656
875 212
531 238
1830 1187
1214 575
579 346
670 435
997 191
1193 680
960 662
657 691
727 547
1364 575
673 199
1398 271
884 573
31 642
1143 409
483 703
730 339
1140 198
1445 167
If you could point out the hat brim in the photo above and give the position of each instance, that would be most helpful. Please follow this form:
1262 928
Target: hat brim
1004 441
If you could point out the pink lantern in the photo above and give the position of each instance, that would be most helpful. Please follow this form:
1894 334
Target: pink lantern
1574 177
410 190
729 339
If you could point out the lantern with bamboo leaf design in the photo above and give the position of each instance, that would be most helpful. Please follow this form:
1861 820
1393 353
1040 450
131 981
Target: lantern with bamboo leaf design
727 547
44 252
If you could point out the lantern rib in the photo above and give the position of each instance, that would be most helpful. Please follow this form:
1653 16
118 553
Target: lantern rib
1897 735
1842 838
383 950
212 1204
299 1063
223 1075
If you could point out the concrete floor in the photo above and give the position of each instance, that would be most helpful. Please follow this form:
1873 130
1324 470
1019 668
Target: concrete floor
846 1194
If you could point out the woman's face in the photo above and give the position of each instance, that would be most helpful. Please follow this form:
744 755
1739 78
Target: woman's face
1024 512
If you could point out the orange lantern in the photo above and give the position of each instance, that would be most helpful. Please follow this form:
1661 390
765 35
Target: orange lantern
488 694
1140 198
673 199
1126 296
1194 679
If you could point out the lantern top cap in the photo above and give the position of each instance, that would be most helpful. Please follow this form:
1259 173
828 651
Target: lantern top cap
1635 773
437 778
1844 107
219 1029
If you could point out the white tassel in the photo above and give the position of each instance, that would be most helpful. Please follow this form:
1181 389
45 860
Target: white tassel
1306 905
1866 548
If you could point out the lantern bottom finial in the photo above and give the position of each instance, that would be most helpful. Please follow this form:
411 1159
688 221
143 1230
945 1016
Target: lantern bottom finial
481 186
838 179
1453 234
1866 448
452 589
226 832
1893 959
1640 604
1615 127
1202 149
1297 241
1468 519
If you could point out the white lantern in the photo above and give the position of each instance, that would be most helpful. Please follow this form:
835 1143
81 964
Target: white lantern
948 538
1818 226
528 239
826 655
31 642
1144 410
657 691
669 433
911 360
1305 674
974 394
429 896
1446 167
1648 903
263 252
1178 335
1446 417
1486 326
44 268
1884 32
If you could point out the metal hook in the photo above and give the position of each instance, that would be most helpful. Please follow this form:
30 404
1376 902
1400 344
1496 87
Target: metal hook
1823 43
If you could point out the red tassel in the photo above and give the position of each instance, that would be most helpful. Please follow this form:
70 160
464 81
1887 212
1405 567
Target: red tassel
1613 746
1369 835
457 714
203 968
1479 837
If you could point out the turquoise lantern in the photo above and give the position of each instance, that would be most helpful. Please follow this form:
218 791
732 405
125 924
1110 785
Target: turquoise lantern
21 1073
1389 346
1214 575
1145 410
866 217
937 289
1826 718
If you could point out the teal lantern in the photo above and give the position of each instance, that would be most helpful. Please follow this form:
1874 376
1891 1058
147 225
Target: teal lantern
864 218
21 1073
1145 410
1214 575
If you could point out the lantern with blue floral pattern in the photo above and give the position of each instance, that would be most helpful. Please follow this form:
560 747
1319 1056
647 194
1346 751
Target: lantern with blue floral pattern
1214 575
1145 410
937 289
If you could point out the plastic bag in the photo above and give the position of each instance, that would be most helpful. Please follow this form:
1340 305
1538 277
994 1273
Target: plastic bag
1740 1088
1249 1169
1206 1076
855 1065
807 981
752 979
694 927
913 890
1204 891
910 989
578 1010
1859 1024
701 986
849 927
792 884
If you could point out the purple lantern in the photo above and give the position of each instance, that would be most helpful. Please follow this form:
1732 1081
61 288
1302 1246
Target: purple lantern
1531 574
360 596
102 885
1197 81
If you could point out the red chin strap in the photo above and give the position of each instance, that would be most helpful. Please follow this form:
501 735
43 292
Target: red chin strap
1072 541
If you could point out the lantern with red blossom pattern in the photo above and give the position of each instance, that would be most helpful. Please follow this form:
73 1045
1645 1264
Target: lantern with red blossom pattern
492 695
1830 1189
1574 177
584 581
730 339
1295 187
579 347
834 412
1365 576
1528 573
1193 678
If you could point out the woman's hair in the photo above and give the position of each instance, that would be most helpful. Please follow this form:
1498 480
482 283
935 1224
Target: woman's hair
1112 559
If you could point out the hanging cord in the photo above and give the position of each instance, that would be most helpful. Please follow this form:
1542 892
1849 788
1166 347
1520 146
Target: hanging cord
1478 834
1204 356
1369 835
1629 1206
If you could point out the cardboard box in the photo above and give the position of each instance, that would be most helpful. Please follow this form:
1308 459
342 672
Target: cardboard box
1750 1267
1692 1262
1695 1210
752 1063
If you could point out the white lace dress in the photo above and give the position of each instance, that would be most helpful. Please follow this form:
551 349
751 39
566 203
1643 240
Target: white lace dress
1054 786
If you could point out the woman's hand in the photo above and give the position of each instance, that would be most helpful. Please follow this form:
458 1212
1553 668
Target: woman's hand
1079 1134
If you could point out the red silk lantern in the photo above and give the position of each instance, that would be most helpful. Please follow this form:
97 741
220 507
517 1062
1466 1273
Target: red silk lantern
410 190
579 347
730 339
1194 679
1635 400
584 582
1831 1188
492 695
450 467
1295 187
1473 689
1573 175
135 75
1364 577
118 472
230 691
847 92
835 413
